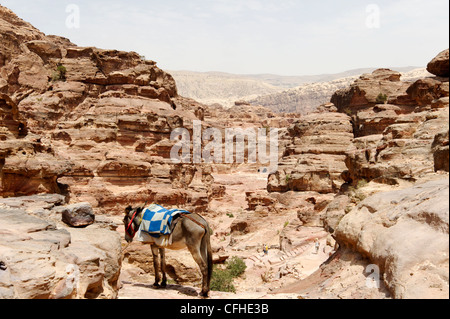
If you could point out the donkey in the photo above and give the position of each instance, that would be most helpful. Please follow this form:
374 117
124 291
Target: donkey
190 231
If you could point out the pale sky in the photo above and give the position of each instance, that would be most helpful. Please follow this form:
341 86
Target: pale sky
285 37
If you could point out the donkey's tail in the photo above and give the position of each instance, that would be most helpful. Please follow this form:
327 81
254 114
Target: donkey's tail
207 252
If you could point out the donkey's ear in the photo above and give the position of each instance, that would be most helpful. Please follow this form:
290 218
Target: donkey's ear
128 210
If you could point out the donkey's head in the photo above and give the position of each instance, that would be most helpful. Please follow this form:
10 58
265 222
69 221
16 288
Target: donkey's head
131 223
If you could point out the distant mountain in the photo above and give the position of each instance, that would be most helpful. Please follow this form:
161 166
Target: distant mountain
281 93
222 88
290 82
304 99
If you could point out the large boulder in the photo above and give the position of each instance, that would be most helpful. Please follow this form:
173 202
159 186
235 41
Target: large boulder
405 233
78 215
425 91
440 64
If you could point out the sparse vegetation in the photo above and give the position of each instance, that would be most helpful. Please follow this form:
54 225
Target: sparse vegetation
288 178
382 98
59 74
359 197
222 279
361 183
236 266
348 111
355 193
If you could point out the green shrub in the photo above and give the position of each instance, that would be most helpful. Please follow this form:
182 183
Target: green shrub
222 279
236 266
59 74
348 111
288 178
382 98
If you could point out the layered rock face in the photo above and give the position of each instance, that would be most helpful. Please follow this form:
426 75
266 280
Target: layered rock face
385 129
82 125
93 126
405 233
396 125
388 137
315 157
28 164
88 123
398 222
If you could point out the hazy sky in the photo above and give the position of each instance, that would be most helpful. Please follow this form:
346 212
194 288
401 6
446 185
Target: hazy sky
286 37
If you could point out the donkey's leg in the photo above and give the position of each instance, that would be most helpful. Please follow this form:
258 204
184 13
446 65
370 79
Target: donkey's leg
155 254
162 253
194 249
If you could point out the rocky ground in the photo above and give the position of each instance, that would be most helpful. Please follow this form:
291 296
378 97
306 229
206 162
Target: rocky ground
85 132
44 257
242 233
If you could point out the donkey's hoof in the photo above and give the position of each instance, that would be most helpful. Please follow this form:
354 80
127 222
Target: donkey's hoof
204 294
156 285
164 284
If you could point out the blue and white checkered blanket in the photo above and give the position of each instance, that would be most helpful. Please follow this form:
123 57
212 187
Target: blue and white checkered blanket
157 220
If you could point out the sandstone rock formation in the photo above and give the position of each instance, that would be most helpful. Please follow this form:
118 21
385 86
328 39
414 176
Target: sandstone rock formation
28 164
382 220
281 94
78 215
440 149
365 91
405 233
439 65
314 160
395 124
304 99
91 129
77 119
43 258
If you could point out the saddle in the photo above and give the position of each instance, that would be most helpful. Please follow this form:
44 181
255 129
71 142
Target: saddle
158 224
